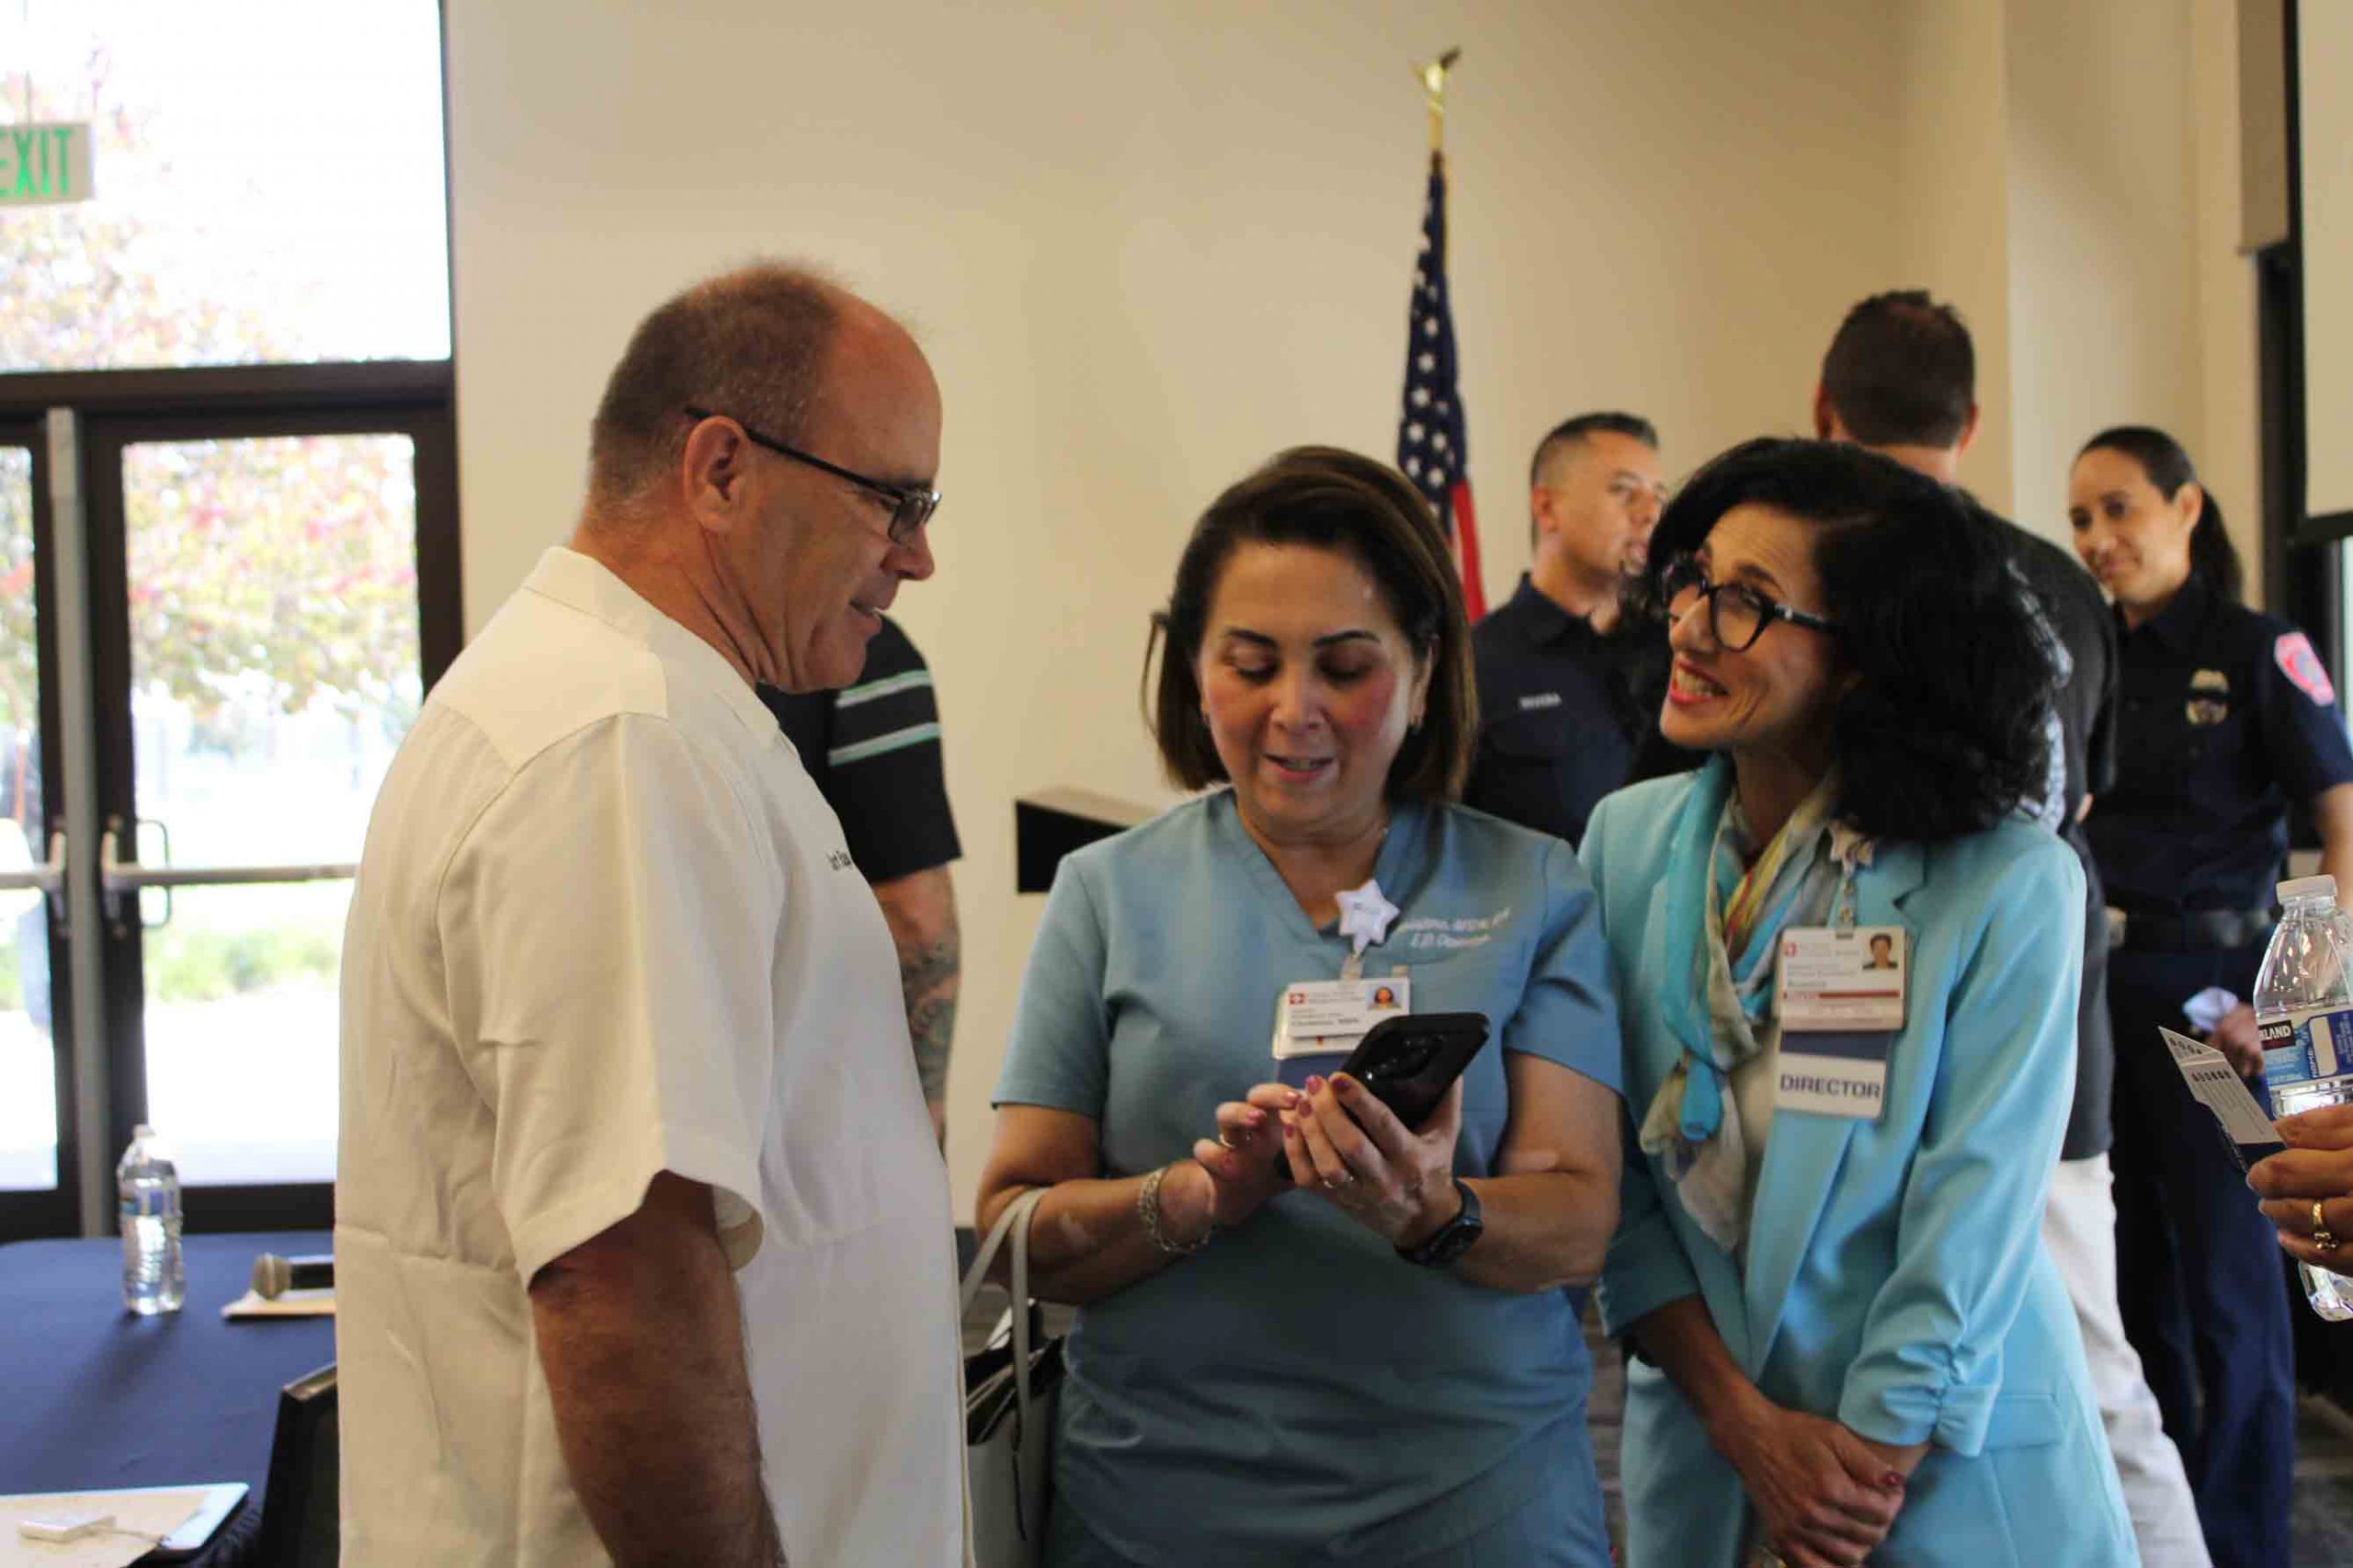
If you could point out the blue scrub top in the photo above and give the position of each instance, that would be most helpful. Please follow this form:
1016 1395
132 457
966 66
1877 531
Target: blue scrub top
1297 1390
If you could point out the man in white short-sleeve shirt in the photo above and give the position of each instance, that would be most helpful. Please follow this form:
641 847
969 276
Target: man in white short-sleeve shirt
643 1248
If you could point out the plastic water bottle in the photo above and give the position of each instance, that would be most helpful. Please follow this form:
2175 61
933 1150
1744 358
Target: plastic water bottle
154 1279
2303 1014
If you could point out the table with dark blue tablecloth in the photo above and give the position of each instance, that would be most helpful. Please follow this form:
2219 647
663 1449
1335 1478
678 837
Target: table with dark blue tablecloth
100 1398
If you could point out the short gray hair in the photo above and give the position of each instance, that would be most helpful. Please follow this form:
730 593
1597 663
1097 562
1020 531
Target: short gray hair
749 344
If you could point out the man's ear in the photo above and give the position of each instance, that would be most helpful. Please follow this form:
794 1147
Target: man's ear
714 473
1968 434
1827 426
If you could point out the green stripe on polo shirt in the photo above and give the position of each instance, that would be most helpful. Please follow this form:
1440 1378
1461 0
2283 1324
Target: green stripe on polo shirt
897 740
873 691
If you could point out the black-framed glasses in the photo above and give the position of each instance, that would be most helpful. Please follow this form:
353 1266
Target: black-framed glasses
910 508
1737 614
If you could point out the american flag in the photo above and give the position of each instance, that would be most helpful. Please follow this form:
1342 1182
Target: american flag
1431 448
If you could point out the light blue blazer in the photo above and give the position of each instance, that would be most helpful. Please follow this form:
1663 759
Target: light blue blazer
1895 1277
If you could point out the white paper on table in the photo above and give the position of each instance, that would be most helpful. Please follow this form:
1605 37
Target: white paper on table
318 1304
157 1513
2221 1090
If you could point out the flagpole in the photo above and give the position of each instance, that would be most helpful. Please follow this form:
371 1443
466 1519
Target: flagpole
1432 443
1433 80
1432 76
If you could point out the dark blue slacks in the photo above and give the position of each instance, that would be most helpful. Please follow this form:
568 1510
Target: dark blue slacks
2200 1279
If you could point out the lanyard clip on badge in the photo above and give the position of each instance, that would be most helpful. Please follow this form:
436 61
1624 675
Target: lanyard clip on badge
1850 849
1365 915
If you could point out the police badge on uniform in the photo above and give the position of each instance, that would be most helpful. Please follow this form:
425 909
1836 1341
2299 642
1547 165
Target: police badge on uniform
2209 697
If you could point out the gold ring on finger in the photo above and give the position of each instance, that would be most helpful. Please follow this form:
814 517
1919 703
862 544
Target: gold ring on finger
2322 1237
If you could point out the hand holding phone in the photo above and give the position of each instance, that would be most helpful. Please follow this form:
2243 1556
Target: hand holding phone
1409 1063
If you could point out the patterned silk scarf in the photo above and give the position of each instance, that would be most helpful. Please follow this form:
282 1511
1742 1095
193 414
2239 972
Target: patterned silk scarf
1742 904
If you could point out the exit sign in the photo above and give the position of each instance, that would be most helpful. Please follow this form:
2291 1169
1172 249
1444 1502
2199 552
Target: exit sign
42 165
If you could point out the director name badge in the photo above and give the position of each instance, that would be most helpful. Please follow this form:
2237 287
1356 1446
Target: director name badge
1318 1022
1840 999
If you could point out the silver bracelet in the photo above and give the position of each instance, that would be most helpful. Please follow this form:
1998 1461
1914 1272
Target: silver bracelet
1148 1209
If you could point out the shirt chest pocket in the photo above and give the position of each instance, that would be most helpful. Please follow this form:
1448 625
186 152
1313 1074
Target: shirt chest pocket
2179 727
1534 738
1526 767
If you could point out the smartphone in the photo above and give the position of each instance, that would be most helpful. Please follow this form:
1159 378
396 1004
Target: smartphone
1409 1063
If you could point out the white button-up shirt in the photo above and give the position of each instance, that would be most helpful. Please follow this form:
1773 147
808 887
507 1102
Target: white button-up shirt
604 927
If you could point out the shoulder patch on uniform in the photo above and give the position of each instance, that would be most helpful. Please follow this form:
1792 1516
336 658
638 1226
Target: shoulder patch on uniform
2297 661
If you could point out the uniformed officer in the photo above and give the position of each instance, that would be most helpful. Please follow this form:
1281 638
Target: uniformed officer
2228 718
1568 684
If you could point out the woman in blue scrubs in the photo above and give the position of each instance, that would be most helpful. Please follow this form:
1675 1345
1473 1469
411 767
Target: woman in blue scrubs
2226 717
1306 1332
1849 1342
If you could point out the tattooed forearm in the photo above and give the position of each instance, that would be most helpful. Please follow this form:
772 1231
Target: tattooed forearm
921 912
932 1021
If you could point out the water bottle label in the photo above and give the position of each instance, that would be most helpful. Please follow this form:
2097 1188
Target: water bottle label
2305 1044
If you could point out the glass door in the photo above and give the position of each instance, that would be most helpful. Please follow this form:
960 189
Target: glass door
261 649
34 1084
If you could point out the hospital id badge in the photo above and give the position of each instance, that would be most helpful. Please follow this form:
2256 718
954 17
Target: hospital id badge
1318 1022
1840 1001
1842 982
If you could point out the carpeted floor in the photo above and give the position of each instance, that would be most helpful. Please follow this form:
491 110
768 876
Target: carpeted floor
2324 1517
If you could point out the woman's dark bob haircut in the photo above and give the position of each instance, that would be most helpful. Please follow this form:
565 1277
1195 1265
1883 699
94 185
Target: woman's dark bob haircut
1327 499
1945 731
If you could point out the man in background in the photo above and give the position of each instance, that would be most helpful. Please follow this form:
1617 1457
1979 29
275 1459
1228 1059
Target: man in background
1568 683
874 751
1900 378
643 1252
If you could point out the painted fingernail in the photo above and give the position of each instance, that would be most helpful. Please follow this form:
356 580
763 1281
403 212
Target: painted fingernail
1314 1084
1891 1478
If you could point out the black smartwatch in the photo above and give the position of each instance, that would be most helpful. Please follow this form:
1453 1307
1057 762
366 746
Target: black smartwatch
1452 1239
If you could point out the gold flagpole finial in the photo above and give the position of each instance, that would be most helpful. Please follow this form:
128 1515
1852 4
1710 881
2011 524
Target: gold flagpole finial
1433 79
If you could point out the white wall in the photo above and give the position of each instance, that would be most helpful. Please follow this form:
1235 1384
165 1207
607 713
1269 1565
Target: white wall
1954 217
2104 299
2324 44
2229 451
1146 245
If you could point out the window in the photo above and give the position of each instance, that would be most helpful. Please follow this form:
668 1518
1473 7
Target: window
268 177
228 573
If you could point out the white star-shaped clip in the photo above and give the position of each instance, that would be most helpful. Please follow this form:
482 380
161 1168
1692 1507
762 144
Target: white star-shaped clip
1365 915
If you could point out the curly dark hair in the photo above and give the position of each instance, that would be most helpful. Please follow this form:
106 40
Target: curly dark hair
1945 731
1334 500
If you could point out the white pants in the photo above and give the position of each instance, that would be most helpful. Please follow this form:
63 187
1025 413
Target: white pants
2079 1230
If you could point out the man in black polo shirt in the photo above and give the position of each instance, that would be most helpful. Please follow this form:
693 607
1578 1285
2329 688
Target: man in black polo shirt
873 750
1901 379
1567 687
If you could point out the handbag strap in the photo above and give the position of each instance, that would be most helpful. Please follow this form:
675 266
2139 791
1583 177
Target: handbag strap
1012 1221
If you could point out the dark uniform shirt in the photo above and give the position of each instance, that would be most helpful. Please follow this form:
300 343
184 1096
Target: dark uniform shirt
1561 710
2228 716
873 750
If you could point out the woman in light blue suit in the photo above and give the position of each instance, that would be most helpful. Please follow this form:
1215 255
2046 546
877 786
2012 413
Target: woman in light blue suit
1848 1342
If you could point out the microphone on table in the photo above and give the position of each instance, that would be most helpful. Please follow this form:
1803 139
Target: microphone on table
273 1275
